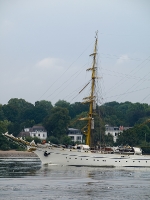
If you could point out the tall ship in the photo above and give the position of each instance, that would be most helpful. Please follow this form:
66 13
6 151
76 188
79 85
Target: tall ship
84 155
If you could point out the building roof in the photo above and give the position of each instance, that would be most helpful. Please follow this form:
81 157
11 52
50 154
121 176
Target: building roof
37 128
23 134
74 131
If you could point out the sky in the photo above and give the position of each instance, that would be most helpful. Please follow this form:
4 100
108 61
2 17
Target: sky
45 48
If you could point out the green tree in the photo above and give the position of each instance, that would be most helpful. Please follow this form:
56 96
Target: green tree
99 131
53 140
135 136
11 113
128 137
77 123
14 128
5 144
46 105
27 124
39 114
135 112
62 104
30 139
108 140
77 108
66 140
74 109
42 109
57 123
4 126
1 113
15 108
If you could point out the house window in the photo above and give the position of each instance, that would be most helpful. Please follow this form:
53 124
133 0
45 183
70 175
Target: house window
79 138
39 135
43 135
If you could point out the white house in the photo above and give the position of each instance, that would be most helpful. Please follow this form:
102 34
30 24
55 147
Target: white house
36 131
75 135
114 130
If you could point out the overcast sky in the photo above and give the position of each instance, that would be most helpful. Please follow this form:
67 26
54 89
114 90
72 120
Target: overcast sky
45 47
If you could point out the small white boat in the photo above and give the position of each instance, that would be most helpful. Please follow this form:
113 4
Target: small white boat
82 155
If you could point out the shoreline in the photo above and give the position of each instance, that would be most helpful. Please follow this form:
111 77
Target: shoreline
13 153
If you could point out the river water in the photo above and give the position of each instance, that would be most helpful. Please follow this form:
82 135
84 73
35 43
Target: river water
25 179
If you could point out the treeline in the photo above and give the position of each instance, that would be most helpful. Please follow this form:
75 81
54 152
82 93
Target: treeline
19 114
134 115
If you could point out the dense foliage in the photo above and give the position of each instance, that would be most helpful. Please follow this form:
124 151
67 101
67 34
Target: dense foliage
134 115
19 114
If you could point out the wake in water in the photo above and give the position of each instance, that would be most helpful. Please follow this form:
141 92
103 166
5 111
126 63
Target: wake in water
18 167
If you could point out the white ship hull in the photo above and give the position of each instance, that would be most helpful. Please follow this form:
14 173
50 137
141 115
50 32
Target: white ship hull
75 157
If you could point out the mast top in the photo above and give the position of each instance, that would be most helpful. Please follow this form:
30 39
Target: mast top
96 34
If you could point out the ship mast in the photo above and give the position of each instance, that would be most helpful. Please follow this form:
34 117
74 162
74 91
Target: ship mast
91 99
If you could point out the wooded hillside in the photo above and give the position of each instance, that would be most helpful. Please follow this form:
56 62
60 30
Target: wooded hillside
19 114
